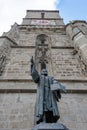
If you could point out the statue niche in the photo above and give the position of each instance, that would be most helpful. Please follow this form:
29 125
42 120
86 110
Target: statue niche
42 52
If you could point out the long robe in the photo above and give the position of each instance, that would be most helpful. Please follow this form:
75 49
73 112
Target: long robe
46 99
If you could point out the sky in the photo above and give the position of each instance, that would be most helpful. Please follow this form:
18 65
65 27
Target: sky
12 11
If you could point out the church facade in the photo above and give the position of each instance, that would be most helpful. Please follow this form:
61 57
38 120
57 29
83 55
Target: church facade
43 35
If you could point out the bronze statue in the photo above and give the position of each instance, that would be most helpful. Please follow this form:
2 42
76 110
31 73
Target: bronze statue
48 93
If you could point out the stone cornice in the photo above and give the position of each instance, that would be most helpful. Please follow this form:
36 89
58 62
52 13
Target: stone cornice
81 80
43 19
57 11
23 87
9 39
53 47
76 21
57 27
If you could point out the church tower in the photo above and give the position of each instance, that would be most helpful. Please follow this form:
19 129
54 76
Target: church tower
63 48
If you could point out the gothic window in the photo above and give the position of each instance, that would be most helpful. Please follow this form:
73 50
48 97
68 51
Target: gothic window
42 39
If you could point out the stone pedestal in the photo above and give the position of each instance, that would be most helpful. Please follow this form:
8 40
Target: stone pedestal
50 126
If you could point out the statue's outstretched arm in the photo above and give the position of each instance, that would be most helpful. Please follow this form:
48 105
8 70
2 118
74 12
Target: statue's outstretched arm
34 73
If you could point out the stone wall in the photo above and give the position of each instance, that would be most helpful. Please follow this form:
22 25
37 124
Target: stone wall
18 66
13 33
66 65
61 40
37 14
5 49
5 46
73 110
17 111
27 39
77 31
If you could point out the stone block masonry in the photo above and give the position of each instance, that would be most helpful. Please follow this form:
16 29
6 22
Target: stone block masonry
5 49
66 65
18 66
17 111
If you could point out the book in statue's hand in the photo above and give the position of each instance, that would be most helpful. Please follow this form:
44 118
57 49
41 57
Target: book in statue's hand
59 87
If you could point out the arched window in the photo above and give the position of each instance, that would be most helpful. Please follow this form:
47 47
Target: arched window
42 39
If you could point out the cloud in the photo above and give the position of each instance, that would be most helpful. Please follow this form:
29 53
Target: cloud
14 10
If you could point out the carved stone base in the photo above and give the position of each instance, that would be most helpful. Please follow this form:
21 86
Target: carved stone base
50 126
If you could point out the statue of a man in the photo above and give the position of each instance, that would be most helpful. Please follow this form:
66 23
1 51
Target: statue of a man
48 93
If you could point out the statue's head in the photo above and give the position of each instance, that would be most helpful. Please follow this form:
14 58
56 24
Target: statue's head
44 72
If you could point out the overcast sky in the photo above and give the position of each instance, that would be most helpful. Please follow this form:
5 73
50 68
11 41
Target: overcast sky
12 11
